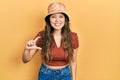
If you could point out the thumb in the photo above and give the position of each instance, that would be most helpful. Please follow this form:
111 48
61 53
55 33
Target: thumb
34 47
39 48
36 38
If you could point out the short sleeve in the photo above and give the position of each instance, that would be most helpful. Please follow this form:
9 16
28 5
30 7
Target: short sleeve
38 41
75 40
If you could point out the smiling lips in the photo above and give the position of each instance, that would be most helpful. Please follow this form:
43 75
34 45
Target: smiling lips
57 24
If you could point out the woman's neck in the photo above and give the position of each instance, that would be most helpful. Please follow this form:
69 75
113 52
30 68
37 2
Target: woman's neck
57 32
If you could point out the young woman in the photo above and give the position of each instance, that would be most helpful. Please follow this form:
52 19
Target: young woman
58 45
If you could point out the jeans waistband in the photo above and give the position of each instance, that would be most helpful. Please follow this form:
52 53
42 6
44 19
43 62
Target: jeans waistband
45 67
46 73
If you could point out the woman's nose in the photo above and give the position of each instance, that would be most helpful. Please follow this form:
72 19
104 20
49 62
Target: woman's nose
57 19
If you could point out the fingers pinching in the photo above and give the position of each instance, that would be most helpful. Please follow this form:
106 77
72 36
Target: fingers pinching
36 38
31 44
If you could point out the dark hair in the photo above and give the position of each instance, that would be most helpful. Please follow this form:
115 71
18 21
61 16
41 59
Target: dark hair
47 41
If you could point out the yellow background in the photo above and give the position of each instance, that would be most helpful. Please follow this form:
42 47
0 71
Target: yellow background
97 23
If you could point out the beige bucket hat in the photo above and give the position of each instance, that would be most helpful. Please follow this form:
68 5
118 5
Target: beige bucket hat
56 7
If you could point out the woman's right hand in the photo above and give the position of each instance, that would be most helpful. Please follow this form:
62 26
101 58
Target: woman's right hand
31 44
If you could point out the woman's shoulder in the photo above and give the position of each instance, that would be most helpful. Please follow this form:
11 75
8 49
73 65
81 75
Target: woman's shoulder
40 33
73 34
75 40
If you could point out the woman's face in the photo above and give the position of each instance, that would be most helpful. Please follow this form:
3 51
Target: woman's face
57 21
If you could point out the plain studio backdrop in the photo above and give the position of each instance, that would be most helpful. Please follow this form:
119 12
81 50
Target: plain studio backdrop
97 23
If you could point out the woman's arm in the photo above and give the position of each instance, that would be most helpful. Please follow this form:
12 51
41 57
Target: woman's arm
30 50
74 64
28 54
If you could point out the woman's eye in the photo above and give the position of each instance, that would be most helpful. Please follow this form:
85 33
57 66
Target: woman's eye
61 16
57 16
52 16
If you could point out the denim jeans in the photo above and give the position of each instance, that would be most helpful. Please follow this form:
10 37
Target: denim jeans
46 73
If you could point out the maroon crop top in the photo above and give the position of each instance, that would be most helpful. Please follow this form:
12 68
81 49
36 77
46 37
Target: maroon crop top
58 54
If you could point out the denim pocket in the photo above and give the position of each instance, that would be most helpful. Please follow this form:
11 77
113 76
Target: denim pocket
66 71
45 70
44 74
66 74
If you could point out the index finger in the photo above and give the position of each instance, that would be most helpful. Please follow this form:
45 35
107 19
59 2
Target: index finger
36 38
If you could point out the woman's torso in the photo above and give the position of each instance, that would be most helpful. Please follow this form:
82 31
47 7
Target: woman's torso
58 54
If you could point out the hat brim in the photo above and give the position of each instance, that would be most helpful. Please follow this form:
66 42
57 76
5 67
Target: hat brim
48 17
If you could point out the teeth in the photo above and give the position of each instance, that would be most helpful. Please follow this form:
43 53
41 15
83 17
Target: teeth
57 24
